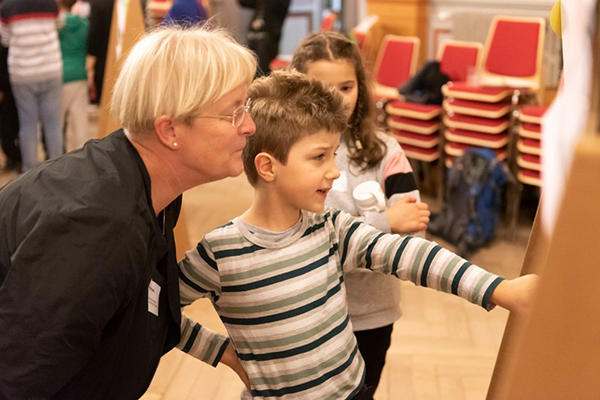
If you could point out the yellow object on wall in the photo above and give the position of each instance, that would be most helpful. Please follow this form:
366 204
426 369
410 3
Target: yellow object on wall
555 20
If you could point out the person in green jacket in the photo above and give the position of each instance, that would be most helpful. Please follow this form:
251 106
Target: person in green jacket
73 44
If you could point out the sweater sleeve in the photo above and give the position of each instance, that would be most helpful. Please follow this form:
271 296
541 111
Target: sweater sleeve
199 278
420 261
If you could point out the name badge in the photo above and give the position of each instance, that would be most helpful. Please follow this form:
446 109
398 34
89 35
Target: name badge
153 294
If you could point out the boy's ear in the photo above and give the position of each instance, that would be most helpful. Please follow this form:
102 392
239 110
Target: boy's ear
265 166
164 130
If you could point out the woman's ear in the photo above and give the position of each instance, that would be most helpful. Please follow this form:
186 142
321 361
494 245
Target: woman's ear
165 132
265 166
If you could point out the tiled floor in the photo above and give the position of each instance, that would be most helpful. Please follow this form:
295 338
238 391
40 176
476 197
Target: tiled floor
443 348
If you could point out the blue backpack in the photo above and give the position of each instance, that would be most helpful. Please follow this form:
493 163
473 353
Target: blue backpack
470 213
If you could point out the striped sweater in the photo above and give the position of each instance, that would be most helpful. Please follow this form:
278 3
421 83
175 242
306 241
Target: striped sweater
283 302
29 30
373 299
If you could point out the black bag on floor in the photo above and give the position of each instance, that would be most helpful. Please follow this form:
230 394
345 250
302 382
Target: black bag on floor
470 213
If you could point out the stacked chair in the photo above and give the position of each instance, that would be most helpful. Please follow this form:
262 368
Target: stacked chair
417 126
478 111
527 161
396 63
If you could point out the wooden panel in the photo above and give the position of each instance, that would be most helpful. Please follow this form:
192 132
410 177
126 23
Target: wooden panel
558 356
401 17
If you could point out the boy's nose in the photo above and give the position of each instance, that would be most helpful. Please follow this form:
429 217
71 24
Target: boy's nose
333 173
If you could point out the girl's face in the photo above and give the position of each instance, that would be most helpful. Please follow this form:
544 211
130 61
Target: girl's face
339 74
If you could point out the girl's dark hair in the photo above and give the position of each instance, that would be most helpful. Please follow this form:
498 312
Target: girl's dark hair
331 46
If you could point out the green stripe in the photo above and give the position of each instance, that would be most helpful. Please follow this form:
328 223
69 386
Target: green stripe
306 373
198 279
227 241
445 283
267 269
478 286
416 267
289 340
237 310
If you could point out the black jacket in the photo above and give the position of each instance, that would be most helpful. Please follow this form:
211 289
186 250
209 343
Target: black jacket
79 246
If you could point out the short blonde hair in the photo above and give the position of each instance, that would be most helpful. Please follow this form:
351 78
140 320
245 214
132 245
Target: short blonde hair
287 106
178 72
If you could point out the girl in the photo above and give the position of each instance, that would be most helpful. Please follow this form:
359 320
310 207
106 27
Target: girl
365 154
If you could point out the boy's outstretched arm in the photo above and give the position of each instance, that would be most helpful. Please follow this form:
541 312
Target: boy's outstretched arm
516 295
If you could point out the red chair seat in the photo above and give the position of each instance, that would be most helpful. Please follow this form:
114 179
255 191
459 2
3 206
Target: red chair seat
476 138
530 177
414 125
488 94
485 125
458 149
421 154
529 161
532 114
476 108
416 139
413 110
530 131
529 146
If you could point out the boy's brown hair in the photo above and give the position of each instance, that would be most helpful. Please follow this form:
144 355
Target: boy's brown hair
287 106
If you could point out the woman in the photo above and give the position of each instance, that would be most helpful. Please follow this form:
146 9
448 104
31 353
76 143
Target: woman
89 297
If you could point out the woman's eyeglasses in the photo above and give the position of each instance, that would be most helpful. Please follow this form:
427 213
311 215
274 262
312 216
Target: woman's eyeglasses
236 118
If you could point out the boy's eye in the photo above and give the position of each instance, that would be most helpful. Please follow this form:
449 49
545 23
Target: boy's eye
345 89
319 157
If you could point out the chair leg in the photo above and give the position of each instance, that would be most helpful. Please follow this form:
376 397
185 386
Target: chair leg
514 202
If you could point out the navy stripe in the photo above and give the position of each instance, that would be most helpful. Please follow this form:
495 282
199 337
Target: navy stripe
308 385
236 252
207 259
188 344
193 285
354 227
286 314
399 252
400 183
279 278
313 228
298 350
220 353
370 249
335 215
489 291
427 265
458 277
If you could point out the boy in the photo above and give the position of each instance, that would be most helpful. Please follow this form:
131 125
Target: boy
73 44
275 274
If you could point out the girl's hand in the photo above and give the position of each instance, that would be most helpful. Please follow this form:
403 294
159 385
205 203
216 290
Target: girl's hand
406 215
516 294
231 359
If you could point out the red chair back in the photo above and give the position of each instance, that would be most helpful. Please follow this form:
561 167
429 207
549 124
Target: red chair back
515 46
397 60
458 57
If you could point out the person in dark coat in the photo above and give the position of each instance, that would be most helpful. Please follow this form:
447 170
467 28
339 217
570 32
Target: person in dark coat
89 295
264 32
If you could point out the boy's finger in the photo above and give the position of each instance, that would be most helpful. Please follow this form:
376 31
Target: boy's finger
408 199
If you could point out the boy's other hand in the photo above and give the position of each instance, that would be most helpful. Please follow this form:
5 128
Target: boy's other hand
406 215
230 358
516 294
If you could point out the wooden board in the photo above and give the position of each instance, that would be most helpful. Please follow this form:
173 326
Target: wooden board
133 30
556 353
